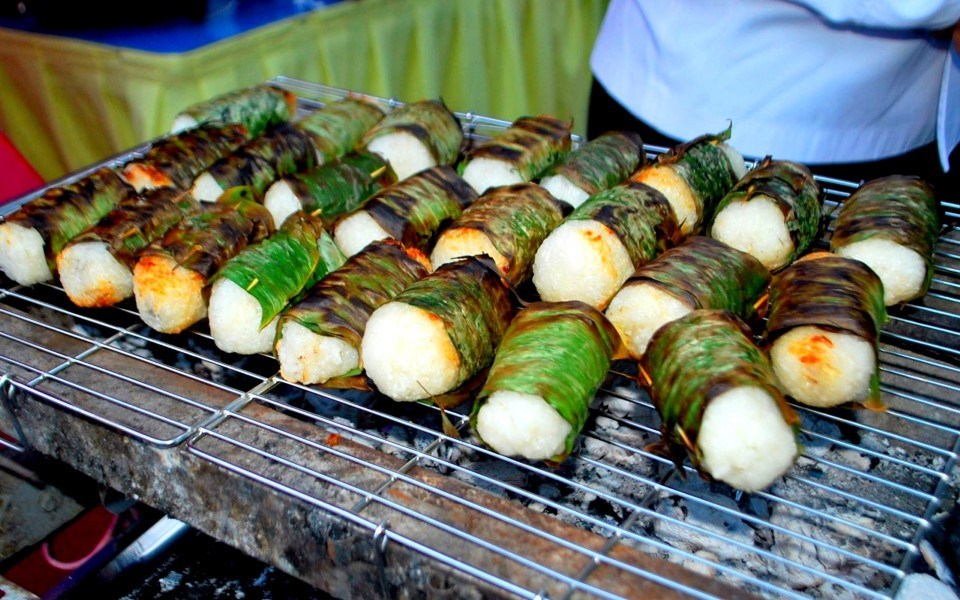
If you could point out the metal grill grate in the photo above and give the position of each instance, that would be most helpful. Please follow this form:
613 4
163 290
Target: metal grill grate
850 519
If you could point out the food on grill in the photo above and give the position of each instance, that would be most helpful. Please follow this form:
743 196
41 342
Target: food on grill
507 224
31 237
518 154
415 137
176 160
772 213
891 224
327 191
438 333
552 359
258 163
601 163
170 278
96 267
252 289
694 176
410 211
338 127
700 273
824 320
256 108
319 336
718 400
593 252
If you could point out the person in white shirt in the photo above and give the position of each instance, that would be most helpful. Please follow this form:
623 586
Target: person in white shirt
855 89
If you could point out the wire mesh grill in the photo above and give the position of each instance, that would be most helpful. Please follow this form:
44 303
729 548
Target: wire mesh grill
849 519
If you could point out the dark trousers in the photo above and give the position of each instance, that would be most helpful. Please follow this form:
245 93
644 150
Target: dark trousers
606 114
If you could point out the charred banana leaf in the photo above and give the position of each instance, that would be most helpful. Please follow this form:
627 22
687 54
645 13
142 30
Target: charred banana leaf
256 108
338 127
530 145
601 163
430 121
281 151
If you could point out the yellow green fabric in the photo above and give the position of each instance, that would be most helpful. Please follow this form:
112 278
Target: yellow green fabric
68 103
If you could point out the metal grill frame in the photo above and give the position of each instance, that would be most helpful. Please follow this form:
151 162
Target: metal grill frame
210 425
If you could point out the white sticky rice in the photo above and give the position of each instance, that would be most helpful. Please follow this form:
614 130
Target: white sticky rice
205 188
356 231
744 439
306 357
639 310
484 173
281 201
516 424
682 199
407 353
564 189
823 368
756 227
234 316
169 297
465 241
405 153
181 122
91 276
581 260
736 160
901 270
21 254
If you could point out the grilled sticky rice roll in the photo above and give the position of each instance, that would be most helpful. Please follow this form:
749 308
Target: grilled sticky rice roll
415 137
329 190
552 359
601 243
319 336
694 176
410 211
258 163
177 159
256 108
601 163
892 225
170 278
824 321
338 127
700 273
718 400
773 213
96 267
518 154
508 224
250 291
438 333
32 236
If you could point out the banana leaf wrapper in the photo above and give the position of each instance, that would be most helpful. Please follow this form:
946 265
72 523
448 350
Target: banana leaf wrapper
430 121
792 187
559 351
706 273
603 162
338 127
138 221
176 160
517 219
898 208
334 189
639 215
257 108
203 242
258 163
64 212
474 304
413 210
703 165
833 293
277 269
693 360
341 304
530 145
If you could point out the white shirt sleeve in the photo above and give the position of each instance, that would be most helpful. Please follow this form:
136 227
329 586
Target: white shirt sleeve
887 14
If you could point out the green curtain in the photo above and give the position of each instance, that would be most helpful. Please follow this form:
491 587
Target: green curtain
67 103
